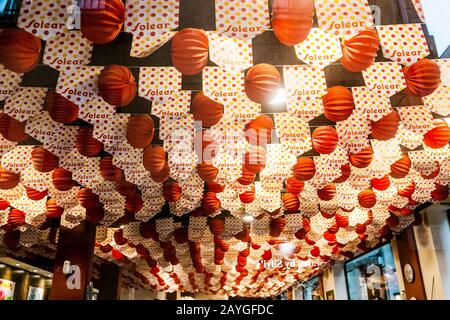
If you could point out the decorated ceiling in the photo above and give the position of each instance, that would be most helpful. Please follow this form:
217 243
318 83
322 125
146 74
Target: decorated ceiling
213 182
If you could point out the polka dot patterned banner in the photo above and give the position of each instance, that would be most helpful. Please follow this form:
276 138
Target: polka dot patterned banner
89 175
6 146
304 83
444 65
182 162
45 19
279 163
62 143
73 161
159 84
353 133
417 119
223 85
177 105
143 46
371 103
25 103
197 227
385 77
13 194
68 49
32 178
303 110
419 9
230 168
348 196
242 19
293 133
343 18
387 152
113 131
320 49
404 44
408 138
359 178
439 101
180 132
421 162
78 84
17 160
96 112
9 82
43 128
230 53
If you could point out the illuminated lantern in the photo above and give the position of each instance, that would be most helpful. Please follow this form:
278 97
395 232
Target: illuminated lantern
380 184
367 199
247 177
87 199
386 128
134 202
255 159
108 171
439 136
11 129
53 210
262 83
116 85
291 202
360 51
423 77
338 104
325 139
61 109
19 50
154 158
125 188
215 187
205 110
327 193
102 21
3 204
162 175
43 160
440 193
217 226
16 218
86 144
362 159
190 51
210 202
96 214
400 168
34 194
140 130
207 172
62 179
294 186
248 196
292 20
258 132
172 192
8 179
304 169
345 174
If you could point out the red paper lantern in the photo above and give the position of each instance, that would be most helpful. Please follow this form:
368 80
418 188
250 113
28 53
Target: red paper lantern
291 202
210 202
255 159
248 196
154 158
86 144
108 171
304 169
172 192
360 51
181 235
292 20
423 77
258 132
215 187
140 130
262 83
325 139
106 248
61 109
162 175
433 174
19 50
341 219
400 168
294 186
35 195
87 199
380 184
327 193
125 188
96 214
345 174
62 179
277 226
439 136
11 129
386 128
362 159
247 177
53 210
338 104
43 160
116 85
102 21
190 50
408 190
207 172
3 204
217 226
16 218
119 238
440 193
206 110
134 202
8 179
367 199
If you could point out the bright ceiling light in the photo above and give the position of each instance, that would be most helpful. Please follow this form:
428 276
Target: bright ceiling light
287 248
280 97
248 218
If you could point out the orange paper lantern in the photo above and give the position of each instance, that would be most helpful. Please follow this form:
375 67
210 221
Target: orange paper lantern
386 128
154 158
210 202
258 132
43 160
362 159
380 184
367 199
215 187
125 188
116 85
439 136
86 144
217 226
53 210
19 50
207 172
34 194
172 192
3 204
62 179
262 83
400 168
162 175
134 202
16 218
440 193
360 51
247 177
345 174
248 196
61 109
408 190
190 50
108 171
206 110
325 139
140 130
304 169
255 159
87 199
294 186
423 77
327 193
11 129
338 104
291 202
8 179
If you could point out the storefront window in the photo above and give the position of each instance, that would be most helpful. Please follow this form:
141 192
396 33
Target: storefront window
311 289
373 276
